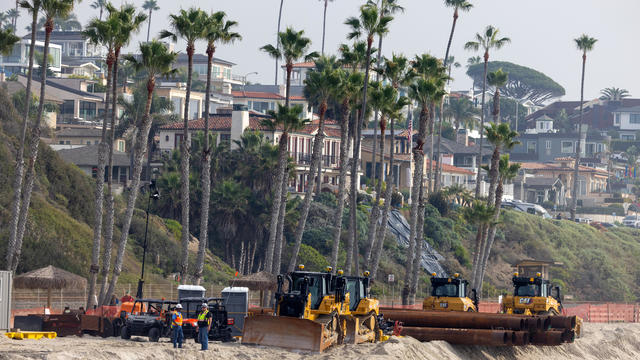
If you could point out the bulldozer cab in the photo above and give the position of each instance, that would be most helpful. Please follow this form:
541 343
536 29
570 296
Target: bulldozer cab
450 294
449 287
309 283
358 289
533 295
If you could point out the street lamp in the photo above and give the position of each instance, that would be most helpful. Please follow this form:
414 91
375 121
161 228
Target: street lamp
244 82
153 194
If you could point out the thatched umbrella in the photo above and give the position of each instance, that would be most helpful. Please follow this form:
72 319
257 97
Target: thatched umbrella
48 278
262 281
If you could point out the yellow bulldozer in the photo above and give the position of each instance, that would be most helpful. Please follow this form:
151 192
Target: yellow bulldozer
362 321
532 295
307 316
450 294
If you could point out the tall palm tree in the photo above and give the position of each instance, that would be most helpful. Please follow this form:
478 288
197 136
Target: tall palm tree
99 4
481 215
189 25
507 172
278 40
32 7
386 7
51 9
470 62
488 40
394 112
292 46
318 88
457 5
218 30
463 112
14 14
101 33
349 89
324 22
156 60
614 94
585 44
420 91
497 131
368 24
150 6
127 22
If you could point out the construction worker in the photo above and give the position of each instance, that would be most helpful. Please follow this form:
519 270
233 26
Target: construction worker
176 327
204 325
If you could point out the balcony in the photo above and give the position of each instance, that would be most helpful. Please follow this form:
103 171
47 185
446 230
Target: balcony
328 161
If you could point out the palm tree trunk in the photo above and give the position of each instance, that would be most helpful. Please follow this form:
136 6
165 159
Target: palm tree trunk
491 235
306 205
101 9
375 209
99 193
280 238
184 174
206 176
278 39
388 194
431 131
354 165
19 175
149 25
374 163
34 144
476 254
418 158
324 24
277 201
493 175
140 149
110 219
417 260
342 178
576 166
479 156
445 63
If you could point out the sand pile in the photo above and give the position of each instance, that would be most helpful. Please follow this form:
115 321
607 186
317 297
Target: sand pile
599 341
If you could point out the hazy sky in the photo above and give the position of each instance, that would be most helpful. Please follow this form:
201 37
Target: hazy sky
541 31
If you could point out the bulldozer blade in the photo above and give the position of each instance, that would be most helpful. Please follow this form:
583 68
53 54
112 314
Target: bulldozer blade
287 332
360 329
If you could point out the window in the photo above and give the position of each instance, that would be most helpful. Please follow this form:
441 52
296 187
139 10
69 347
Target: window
616 119
567 147
88 142
627 137
531 147
166 137
87 110
547 144
61 141
634 118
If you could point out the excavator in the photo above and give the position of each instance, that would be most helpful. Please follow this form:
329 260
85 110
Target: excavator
364 312
533 296
307 316
450 294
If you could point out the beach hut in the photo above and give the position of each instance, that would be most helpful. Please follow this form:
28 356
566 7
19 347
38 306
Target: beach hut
49 278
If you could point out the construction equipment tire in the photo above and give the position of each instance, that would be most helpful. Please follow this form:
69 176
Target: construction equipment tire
125 333
154 335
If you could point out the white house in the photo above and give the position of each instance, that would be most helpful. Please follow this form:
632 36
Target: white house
627 119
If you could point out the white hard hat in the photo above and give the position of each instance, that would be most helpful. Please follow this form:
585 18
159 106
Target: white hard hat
178 306
205 305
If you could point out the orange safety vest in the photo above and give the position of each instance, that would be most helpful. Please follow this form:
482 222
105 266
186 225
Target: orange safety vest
178 319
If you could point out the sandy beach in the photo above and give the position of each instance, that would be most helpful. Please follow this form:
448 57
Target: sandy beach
599 341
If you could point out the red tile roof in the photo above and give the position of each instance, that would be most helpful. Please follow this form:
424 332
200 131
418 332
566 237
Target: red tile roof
306 64
450 168
257 95
558 167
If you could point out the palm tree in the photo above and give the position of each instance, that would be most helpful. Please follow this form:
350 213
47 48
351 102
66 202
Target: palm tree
217 31
14 14
101 33
470 62
3 18
231 200
324 22
99 4
278 40
479 214
614 94
387 7
345 94
507 172
585 44
463 112
156 60
319 86
369 24
188 24
292 46
151 6
496 132
33 8
7 40
51 9
126 23
488 40
457 5
394 112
